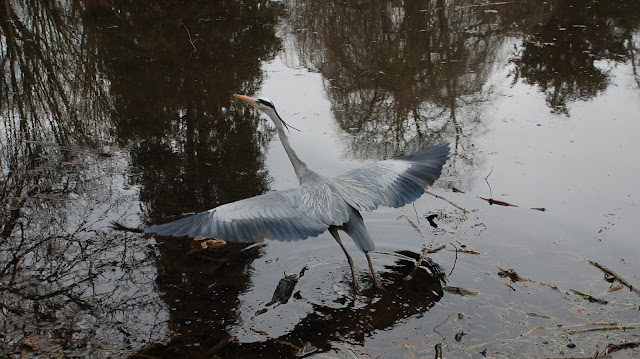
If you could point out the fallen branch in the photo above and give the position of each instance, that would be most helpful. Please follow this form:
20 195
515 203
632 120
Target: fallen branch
589 297
615 275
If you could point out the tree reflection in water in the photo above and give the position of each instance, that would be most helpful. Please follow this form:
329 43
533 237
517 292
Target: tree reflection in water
563 54
99 110
122 109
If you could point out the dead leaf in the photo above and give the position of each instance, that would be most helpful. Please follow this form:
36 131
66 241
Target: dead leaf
614 287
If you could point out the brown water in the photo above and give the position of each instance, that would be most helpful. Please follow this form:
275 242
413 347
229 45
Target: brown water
122 110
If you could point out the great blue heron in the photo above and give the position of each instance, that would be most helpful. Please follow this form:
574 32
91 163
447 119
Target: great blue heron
319 204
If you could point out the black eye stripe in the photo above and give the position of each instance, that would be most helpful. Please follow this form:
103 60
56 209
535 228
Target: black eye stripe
266 103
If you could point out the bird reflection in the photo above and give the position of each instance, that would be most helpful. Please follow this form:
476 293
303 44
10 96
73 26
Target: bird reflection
414 285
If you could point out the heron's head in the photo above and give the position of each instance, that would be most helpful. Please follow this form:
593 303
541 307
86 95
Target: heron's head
265 105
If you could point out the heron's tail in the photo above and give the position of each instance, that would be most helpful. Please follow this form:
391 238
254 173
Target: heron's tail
120 227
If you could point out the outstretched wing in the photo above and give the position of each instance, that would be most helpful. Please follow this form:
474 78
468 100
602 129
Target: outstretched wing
392 183
274 215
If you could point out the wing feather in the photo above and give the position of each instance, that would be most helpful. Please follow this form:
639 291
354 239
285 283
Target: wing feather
392 183
272 215
319 203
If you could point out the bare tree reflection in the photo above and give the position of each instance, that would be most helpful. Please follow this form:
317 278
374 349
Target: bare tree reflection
65 288
399 73
560 54
191 147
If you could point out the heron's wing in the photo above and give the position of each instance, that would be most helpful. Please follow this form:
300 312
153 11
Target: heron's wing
274 215
394 182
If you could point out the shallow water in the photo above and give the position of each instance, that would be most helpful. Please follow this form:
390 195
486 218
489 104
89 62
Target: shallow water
123 111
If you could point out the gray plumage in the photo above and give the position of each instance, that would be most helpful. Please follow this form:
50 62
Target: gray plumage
320 203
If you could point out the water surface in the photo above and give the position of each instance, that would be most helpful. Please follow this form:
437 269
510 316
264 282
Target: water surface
123 111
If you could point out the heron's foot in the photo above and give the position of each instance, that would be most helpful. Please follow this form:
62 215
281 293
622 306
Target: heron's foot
356 290
380 287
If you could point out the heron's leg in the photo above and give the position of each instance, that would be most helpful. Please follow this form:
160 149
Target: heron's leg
373 274
334 233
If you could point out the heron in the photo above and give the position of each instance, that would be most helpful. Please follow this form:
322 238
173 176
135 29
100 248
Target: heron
319 204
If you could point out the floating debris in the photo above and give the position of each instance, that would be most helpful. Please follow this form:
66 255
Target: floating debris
615 275
431 222
614 287
497 202
589 297
306 349
459 291
284 290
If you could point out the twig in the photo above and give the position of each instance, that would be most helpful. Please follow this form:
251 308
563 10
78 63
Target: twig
436 250
615 347
568 326
619 278
419 262
424 253
221 344
446 200
509 285
512 275
469 251
618 327
486 180
189 34
589 297
454 261
415 226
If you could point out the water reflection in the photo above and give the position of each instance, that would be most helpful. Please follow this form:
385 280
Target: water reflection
414 284
80 80
122 109
191 147
563 53
413 289
64 288
399 74
403 73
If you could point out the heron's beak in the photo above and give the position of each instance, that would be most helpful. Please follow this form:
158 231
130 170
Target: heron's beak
251 100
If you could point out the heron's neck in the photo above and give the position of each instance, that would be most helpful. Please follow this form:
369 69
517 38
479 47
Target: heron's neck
299 166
